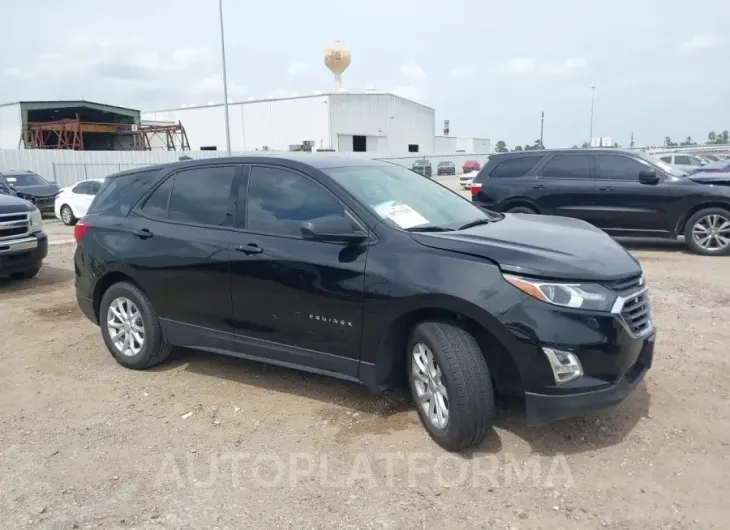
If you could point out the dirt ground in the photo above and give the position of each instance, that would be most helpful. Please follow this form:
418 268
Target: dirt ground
212 442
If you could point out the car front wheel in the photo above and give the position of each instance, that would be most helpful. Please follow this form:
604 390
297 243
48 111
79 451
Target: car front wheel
130 327
708 232
450 384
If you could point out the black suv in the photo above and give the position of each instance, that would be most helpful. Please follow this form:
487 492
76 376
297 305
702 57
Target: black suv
625 193
365 271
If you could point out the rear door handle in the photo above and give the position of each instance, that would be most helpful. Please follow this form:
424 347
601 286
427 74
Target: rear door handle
142 233
606 188
251 248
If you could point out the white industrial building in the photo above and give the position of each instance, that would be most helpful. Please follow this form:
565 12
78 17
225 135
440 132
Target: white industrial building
373 122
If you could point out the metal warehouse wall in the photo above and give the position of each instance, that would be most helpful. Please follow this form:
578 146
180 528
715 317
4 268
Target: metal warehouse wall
453 144
11 126
402 122
69 167
276 123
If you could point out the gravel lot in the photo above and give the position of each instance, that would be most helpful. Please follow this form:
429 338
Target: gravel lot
212 442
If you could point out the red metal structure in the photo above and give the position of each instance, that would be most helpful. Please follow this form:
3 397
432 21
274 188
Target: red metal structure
69 134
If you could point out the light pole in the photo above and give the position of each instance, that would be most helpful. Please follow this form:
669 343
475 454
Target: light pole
225 80
593 98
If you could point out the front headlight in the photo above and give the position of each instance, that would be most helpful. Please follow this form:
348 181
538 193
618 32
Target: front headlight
36 221
591 296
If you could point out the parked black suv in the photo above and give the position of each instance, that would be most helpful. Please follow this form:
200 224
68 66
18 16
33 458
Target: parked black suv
31 187
365 271
625 193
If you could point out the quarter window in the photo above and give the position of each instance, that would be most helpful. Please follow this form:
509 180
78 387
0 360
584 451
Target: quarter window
616 167
568 167
279 201
514 167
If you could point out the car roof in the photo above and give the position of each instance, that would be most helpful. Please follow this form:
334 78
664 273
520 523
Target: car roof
16 172
543 152
316 160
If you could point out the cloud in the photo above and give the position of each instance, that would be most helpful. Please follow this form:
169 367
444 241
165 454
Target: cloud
520 65
460 71
213 85
697 43
281 93
412 92
571 65
413 70
298 67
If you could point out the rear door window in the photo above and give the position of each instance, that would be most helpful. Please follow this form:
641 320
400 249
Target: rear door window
514 167
199 196
683 160
568 167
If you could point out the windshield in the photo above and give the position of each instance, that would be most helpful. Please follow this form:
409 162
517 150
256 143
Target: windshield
406 200
667 168
26 179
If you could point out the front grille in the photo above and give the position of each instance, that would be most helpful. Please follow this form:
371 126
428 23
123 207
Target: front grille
14 224
636 314
628 285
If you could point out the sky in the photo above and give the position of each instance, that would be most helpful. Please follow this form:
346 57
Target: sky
660 68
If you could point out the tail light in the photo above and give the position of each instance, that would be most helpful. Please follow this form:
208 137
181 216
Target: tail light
474 188
80 229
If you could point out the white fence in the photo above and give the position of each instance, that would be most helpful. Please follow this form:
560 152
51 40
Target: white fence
68 167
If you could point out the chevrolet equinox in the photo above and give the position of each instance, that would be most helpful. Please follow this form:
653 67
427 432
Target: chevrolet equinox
365 271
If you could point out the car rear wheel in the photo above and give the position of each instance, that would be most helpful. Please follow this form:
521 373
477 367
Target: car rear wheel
67 215
130 327
708 232
522 209
450 384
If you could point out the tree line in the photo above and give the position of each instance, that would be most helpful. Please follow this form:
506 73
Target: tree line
713 138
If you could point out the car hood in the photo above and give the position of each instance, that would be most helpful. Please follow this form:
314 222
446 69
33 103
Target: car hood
41 190
543 246
711 178
11 204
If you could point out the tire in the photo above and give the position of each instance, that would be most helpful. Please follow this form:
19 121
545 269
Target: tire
25 275
703 222
522 209
67 215
465 377
153 348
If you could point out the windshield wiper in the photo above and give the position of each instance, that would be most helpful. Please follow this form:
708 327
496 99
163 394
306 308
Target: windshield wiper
476 222
429 229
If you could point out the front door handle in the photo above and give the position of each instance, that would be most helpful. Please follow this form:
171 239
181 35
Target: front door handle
539 187
606 188
142 233
251 248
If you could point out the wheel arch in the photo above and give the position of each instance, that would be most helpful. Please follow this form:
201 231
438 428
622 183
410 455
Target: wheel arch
105 282
682 223
514 202
389 369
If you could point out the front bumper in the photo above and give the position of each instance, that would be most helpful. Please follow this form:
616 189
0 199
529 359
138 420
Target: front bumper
614 360
547 408
23 254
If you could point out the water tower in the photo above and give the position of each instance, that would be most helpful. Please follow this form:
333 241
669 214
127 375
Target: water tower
337 58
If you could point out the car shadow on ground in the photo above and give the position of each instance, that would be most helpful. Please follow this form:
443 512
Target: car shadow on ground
394 409
48 279
663 245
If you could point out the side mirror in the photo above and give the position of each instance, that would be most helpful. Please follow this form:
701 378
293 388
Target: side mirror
333 230
648 176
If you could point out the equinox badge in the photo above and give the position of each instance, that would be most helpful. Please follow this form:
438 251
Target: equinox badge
330 320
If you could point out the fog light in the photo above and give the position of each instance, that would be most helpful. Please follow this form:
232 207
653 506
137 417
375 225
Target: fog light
565 365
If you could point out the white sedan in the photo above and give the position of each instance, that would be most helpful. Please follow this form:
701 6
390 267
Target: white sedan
466 179
72 203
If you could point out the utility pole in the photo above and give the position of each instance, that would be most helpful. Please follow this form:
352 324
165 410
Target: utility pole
542 128
225 80
632 140
593 98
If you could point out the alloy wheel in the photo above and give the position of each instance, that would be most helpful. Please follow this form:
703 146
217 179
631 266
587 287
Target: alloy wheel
712 232
125 326
431 394
66 214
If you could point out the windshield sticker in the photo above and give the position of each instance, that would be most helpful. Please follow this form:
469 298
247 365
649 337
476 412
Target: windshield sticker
402 215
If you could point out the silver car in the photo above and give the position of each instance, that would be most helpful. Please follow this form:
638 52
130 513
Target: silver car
683 161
